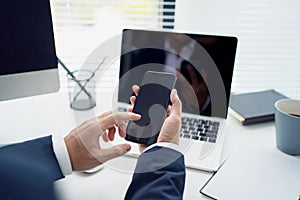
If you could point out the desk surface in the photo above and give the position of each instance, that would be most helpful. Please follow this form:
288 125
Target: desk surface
42 115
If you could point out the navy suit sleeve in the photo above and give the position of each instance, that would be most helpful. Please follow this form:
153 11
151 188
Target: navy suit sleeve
159 174
28 170
37 152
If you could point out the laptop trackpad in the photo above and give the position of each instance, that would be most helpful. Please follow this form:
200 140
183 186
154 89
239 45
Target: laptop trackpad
206 149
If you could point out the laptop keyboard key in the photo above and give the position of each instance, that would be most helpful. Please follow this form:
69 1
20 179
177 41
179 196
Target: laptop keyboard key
212 140
187 136
216 123
194 133
200 130
212 132
202 134
195 137
121 109
212 136
191 128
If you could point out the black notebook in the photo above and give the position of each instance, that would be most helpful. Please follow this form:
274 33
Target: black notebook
254 107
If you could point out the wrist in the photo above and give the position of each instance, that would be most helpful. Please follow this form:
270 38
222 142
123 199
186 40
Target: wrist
72 145
81 158
170 138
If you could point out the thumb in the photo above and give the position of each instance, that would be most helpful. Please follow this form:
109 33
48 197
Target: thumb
113 152
176 103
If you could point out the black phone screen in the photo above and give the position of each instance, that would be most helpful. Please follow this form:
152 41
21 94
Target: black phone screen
151 103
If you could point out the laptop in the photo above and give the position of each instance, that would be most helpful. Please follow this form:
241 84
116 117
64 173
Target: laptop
204 66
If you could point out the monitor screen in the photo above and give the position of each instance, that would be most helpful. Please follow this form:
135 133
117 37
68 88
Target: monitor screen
28 62
156 50
27 41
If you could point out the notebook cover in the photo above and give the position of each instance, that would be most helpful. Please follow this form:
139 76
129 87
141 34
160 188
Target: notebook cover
254 107
256 173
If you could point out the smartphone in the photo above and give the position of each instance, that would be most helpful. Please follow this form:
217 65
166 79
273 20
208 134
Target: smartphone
152 104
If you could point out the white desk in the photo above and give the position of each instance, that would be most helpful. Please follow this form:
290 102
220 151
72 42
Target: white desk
38 116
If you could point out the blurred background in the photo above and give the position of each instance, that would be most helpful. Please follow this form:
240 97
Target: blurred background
268 55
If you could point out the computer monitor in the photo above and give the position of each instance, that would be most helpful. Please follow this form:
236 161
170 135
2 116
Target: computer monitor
28 62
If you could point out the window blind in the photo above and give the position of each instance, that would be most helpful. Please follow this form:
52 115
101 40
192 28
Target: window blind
268 53
83 14
80 26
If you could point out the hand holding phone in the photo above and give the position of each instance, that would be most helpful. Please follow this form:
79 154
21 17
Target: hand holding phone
171 127
151 103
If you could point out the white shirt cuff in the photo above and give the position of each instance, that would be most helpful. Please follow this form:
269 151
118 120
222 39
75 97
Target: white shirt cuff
169 145
62 155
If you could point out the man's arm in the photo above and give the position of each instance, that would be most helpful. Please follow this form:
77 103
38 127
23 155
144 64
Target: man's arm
37 152
160 171
28 169
159 174
80 148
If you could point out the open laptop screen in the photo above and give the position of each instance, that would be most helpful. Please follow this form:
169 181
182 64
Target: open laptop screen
171 51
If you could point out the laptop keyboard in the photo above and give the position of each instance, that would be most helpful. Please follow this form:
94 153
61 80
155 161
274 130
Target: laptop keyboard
196 129
199 129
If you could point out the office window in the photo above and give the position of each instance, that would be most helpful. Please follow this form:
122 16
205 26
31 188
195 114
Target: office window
83 14
80 26
268 31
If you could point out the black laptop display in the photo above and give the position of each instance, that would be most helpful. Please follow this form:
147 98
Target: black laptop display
156 49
